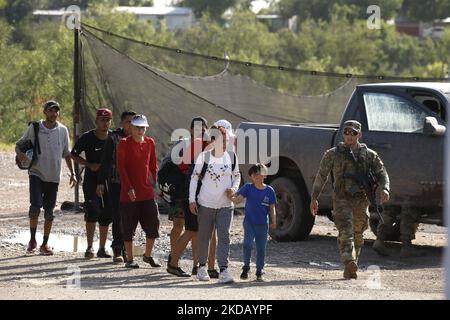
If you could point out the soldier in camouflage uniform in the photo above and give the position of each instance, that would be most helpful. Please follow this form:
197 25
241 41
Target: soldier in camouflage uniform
350 203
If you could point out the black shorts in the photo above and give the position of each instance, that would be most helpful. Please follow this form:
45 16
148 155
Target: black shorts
190 220
42 195
144 212
176 210
96 209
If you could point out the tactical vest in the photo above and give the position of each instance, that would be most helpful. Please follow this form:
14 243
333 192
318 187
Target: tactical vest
342 166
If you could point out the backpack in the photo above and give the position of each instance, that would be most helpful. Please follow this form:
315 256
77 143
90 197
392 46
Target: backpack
30 149
171 181
203 172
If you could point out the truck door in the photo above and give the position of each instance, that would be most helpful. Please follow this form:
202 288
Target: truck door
393 126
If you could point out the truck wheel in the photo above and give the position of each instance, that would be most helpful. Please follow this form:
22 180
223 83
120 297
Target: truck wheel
294 221
393 233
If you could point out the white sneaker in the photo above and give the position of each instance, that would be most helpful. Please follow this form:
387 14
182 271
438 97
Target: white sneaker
202 274
225 277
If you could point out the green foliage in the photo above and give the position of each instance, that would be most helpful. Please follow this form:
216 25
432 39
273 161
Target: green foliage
136 3
17 10
416 10
40 66
323 9
34 76
51 4
214 8
427 10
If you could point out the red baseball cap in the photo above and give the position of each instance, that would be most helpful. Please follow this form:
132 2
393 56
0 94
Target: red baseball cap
104 113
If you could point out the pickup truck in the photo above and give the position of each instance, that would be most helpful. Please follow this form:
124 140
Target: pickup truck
403 122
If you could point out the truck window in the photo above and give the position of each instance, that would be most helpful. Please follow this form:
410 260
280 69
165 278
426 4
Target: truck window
388 112
431 102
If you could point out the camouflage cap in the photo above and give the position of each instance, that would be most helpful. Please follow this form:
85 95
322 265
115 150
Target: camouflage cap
353 124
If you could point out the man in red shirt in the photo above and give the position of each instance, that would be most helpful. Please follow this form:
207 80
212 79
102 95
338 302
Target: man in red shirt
136 160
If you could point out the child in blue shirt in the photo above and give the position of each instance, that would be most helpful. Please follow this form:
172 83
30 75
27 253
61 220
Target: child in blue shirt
260 203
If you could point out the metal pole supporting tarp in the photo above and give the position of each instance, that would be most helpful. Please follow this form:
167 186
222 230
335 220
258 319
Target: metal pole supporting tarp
447 210
77 103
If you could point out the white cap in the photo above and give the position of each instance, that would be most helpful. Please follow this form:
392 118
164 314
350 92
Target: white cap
139 121
227 125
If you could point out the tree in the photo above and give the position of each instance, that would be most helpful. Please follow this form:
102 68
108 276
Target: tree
39 67
29 77
136 3
322 9
51 4
214 8
17 10
426 10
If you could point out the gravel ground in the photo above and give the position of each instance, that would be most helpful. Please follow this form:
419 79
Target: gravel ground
301 270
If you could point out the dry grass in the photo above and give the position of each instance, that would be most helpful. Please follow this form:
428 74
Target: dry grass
6 147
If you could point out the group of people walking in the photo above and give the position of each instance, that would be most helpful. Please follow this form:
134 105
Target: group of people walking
120 172
119 188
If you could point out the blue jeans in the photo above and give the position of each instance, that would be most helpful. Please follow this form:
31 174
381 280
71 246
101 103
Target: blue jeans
257 232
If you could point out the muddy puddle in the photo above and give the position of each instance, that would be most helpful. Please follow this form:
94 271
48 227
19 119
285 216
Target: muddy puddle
64 243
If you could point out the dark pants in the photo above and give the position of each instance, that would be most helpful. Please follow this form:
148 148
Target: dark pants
114 196
144 212
42 195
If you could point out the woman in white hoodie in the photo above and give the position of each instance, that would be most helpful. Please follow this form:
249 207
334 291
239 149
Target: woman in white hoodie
214 180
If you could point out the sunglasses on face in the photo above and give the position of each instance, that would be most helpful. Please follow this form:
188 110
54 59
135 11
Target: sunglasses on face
350 132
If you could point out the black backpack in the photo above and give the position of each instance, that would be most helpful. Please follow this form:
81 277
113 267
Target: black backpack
171 181
30 148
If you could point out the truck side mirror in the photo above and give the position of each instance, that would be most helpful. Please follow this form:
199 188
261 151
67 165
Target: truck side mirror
432 127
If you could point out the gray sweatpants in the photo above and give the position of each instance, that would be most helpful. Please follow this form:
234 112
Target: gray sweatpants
220 219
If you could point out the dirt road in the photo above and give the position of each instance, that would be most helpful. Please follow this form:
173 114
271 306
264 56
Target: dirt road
303 270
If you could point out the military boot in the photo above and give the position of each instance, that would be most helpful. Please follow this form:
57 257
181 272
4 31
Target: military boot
380 248
408 250
350 268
